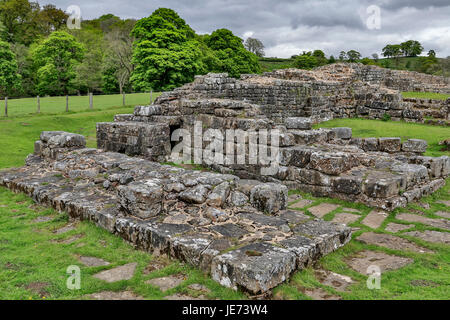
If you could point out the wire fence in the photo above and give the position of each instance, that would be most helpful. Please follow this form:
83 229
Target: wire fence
77 103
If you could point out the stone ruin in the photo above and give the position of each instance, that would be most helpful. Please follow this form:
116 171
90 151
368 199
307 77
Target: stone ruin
233 222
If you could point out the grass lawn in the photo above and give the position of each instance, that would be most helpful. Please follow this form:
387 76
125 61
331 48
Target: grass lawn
363 128
55 105
426 95
34 259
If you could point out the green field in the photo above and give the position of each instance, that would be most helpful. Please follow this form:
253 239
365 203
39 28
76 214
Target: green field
34 259
56 105
426 95
363 128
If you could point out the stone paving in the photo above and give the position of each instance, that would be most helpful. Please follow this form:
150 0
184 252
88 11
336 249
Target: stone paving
363 260
391 242
322 209
431 236
345 218
396 227
437 223
374 219
166 283
125 272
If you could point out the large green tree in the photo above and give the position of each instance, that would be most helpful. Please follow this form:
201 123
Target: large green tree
411 48
56 59
9 78
232 55
166 53
18 18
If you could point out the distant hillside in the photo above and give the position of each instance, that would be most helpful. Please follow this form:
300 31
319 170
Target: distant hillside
408 63
270 64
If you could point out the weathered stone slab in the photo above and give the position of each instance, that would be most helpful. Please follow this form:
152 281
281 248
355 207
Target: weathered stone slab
431 236
365 259
395 227
338 281
323 209
374 219
301 204
320 294
111 295
345 218
437 223
125 272
443 214
391 242
166 283
93 261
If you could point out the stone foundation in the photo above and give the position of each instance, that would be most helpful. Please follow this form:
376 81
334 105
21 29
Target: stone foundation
239 231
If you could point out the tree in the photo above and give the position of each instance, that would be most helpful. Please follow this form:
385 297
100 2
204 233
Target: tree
166 53
306 61
9 79
118 56
24 69
233 57
18 20
353 55
255 46
375 57
343 56
320 56
332 59
411 48
393 51
50 19
56 59
432 53
89 72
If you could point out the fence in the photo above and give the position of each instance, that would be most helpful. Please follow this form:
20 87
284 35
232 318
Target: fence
60 104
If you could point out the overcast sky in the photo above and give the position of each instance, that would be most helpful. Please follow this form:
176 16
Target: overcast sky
288 27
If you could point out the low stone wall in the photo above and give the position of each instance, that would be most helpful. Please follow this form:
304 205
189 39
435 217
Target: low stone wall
149 140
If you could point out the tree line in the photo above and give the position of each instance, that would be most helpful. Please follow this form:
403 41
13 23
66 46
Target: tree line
40 55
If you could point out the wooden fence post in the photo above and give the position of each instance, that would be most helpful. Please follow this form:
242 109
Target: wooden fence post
38 105
6 106
67 103
91 100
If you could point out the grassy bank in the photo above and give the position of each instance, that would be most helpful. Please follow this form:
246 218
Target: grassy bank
363 128
57 105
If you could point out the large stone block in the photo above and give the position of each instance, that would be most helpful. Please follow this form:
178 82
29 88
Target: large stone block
298 123
269 197
269 265
415 145
142 199
343 133
390 145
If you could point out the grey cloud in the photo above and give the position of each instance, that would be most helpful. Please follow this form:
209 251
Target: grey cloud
289 26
